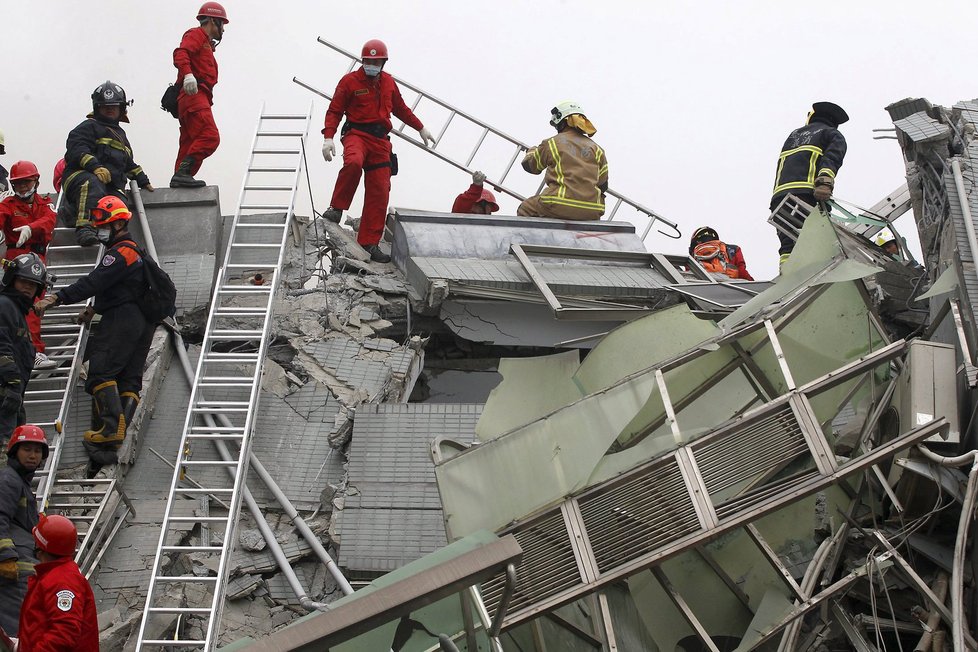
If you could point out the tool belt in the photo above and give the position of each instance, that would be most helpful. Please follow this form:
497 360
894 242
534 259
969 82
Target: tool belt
375 129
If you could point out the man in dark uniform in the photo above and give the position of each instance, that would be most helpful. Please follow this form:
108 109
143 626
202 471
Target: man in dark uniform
117 351
809 161
24 279
98 161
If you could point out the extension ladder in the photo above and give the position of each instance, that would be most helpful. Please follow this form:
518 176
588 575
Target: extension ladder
227 383
501 139
50 392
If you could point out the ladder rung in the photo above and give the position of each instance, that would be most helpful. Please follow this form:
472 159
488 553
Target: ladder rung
216 435
205 490
226 385
239 312
259 225
209 463
282 116
192 549
186 578
215 429
276 151
235 332
245 289
268 188
179 610
281 133
44 401
262 207
173 643
255 245
198 519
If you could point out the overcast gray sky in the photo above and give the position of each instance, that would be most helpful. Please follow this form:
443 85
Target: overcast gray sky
692 101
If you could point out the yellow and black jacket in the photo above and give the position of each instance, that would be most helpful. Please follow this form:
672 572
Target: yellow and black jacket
95 143
815 150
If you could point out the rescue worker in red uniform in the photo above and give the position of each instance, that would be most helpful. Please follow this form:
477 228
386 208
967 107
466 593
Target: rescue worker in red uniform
27 221
196 78
26 452
59 612
718 257
98 161
810 158
118 348
367 97
477 199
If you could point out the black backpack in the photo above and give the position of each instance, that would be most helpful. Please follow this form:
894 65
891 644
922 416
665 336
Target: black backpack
159 301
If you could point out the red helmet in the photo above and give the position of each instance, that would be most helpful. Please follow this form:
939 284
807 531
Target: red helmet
374 49
213 10
56 535
24 170
490 199
27 433
110 209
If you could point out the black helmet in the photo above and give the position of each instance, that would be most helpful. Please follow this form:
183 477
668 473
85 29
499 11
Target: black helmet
27 266
702 234
108 94
829 112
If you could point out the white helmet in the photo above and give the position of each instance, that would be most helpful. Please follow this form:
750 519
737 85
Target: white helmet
563 110
884 236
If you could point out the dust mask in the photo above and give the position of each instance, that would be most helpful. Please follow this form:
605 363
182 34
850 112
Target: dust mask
104 234
371 70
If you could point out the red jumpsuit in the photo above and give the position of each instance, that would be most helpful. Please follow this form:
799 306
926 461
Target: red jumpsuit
199 137
59 610
366 101
40 216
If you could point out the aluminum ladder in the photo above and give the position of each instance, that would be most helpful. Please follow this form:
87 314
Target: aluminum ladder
50 392
497 139
226 383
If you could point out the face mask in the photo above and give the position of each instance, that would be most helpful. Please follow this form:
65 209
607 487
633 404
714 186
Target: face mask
104 235
26 195
371 71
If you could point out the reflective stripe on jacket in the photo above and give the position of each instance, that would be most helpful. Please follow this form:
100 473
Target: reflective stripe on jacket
815 150
577 172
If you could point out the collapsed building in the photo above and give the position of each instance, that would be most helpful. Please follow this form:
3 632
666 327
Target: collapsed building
534 435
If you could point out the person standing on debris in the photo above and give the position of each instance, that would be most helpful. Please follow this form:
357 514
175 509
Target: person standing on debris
26 452
98 161
477 199
24 279
576 167
810 159
367 97
117 351
716 256
196 78
27 221
59 610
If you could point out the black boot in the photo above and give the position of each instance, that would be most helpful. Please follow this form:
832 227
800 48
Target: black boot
377 255
86 236
113 428
334 215
183 178
130 401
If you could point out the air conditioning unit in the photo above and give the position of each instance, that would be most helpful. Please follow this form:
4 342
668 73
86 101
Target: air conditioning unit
928 389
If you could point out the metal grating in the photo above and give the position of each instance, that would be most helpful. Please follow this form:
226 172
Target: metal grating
548 567
642 513
751 450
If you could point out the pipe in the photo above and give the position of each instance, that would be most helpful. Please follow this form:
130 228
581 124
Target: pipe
960 460
969 225
273 544
957 569
933 620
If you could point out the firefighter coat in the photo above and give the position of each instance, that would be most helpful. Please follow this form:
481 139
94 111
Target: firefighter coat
98 143
576 177
812 151
59 611
18 516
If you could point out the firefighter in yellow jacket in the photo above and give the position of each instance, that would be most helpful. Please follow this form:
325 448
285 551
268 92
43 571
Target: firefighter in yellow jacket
577 169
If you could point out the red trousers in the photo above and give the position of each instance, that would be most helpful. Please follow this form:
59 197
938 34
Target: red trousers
199 137
362 150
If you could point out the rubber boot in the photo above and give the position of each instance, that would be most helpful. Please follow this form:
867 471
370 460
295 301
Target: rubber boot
113 427
183 178
334 215
130 401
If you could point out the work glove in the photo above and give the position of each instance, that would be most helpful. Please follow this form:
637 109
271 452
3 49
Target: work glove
478 177
148 187
426 136
329 149
8 570
45 303
189 84
86 315
25 234
103 174
823 188
86 236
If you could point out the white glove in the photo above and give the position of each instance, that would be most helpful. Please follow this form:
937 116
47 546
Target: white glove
189 84
25 234
329 149
426 136
478 177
